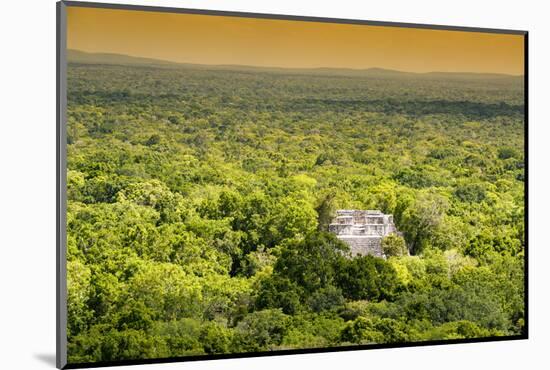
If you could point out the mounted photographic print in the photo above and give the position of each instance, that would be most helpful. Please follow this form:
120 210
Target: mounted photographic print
235 184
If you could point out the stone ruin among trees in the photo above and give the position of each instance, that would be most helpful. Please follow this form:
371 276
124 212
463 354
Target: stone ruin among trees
363 230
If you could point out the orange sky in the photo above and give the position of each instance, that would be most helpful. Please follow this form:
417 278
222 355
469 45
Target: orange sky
207 39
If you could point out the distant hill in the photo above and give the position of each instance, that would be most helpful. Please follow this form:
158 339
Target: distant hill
81 57
77 56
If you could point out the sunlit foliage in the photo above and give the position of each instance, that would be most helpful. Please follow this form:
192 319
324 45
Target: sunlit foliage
199 202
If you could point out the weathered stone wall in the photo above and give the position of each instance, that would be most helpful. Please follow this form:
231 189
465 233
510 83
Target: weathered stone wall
366 245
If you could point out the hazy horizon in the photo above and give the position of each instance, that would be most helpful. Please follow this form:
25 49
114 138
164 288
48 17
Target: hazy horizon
289 68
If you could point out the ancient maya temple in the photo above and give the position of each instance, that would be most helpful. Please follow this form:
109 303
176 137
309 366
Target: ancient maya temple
363 231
